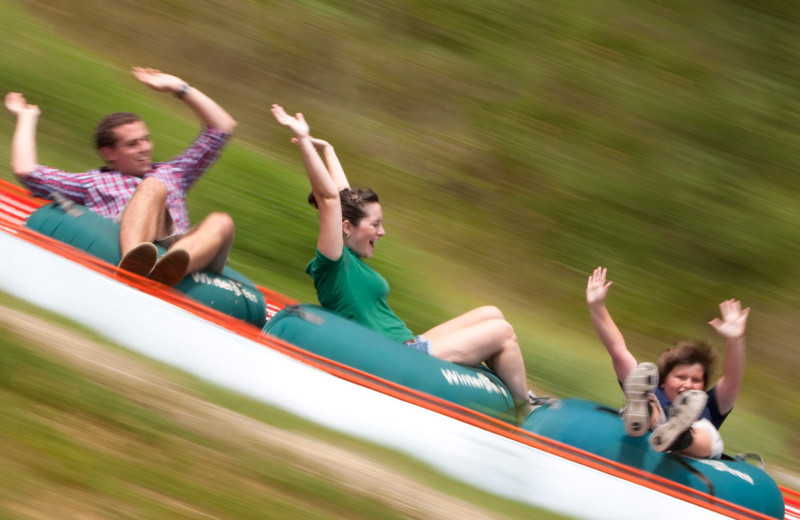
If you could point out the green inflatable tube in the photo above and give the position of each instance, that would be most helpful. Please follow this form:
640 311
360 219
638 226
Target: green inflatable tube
599 430
228 292
322 332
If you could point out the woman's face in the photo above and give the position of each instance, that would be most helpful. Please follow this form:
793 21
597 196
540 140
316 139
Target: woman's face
683 378
366 234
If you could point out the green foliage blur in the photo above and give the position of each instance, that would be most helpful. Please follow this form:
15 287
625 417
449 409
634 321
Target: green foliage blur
515 145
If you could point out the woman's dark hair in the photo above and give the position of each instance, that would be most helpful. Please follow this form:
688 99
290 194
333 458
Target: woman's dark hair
686 353
353 202
104 133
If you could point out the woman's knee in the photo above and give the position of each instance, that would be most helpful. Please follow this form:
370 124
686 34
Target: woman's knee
503 332
478 343
489 312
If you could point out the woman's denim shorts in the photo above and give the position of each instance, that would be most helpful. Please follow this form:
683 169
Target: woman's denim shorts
419 343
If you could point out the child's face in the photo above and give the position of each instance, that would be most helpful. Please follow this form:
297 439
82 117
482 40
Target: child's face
683 378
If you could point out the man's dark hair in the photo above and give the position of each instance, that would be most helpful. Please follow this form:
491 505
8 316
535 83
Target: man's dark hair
104 134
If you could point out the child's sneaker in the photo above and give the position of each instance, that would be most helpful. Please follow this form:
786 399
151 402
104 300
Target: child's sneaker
687 408
640 383
140 260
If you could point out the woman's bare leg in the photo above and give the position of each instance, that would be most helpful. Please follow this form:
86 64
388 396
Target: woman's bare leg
491 340
466 320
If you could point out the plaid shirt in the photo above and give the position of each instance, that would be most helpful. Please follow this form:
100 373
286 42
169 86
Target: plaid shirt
106 192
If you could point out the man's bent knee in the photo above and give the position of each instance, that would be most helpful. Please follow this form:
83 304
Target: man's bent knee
220 223
152 188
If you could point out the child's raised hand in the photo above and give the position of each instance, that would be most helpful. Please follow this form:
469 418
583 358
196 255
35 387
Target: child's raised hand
734 319
596 287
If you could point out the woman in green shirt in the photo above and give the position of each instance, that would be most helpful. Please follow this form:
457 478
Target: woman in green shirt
350 224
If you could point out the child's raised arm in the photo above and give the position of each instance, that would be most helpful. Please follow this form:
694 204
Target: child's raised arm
731 327
604 326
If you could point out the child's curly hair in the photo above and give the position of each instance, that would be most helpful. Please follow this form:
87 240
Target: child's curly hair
687 353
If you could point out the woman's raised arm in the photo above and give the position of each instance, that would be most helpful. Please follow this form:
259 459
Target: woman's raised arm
330 241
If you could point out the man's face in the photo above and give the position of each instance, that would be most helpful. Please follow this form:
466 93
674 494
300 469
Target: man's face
132 153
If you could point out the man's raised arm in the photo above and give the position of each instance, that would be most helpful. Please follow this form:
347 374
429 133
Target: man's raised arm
206 108
23 143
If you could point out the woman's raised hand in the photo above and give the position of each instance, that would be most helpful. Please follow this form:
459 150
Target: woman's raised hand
319 144
297 123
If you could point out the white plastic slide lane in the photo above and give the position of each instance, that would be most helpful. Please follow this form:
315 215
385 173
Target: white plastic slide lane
169 334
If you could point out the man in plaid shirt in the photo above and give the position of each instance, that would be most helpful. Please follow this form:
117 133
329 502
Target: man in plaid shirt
148 199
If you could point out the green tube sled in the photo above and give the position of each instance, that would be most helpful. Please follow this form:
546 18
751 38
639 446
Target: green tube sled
331 336
599 430
228 292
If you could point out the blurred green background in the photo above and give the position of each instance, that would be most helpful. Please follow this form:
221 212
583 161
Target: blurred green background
515 146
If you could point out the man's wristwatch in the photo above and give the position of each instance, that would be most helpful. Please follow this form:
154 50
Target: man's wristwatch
182 92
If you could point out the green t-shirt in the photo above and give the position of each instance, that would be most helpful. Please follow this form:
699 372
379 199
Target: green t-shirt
352 289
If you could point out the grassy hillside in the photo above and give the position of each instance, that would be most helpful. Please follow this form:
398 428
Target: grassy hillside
515 147
92 431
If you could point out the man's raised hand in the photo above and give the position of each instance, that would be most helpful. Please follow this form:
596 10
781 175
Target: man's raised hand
17 105
157 80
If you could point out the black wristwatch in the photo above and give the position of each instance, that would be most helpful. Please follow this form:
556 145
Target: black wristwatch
182 92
